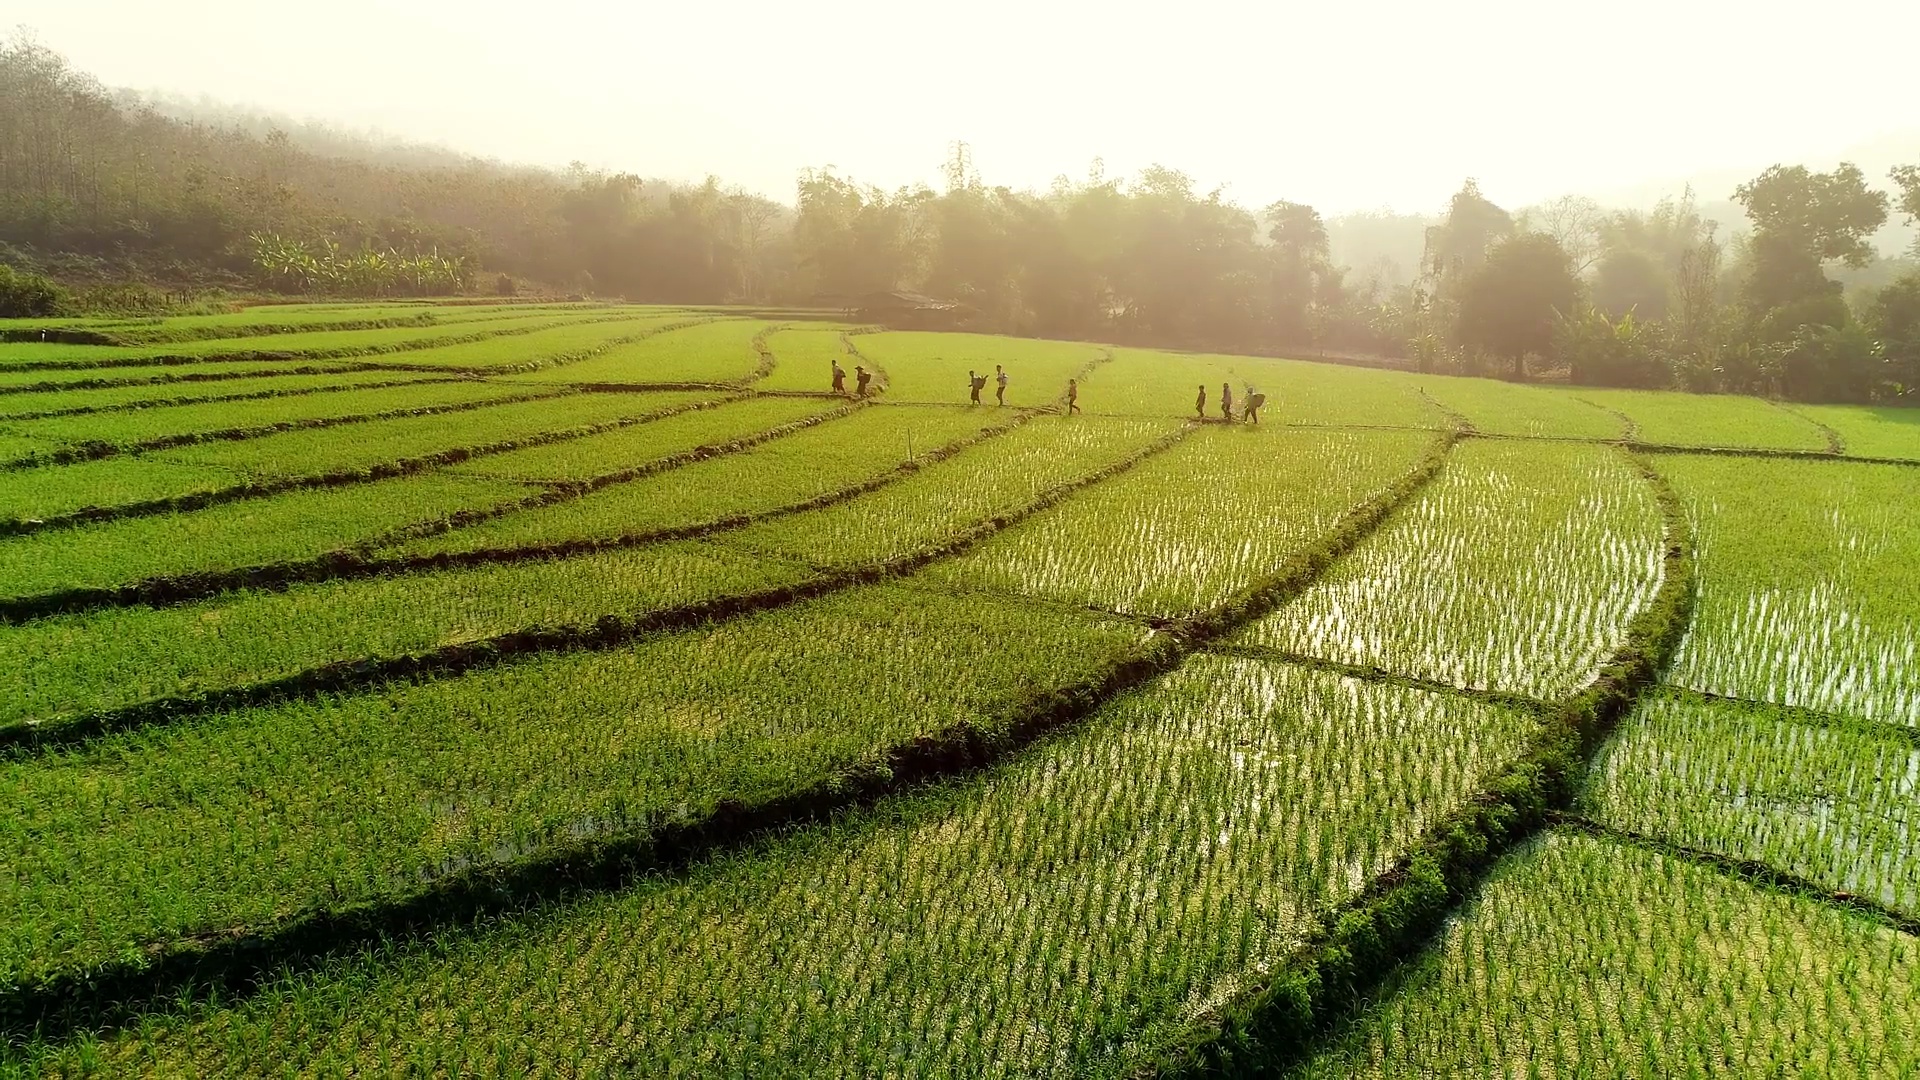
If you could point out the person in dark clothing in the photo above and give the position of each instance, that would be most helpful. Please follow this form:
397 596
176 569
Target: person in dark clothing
1073 396
839 378
1255 399
1000 384
861 377
1200 403
1226 402
975 384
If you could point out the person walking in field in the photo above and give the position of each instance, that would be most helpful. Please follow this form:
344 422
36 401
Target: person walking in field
975 384
861 377
1255 399
839 378
1073 396
1200 403
1000 384
1226 402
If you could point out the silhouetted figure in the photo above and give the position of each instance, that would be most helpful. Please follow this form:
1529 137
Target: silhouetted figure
1200 403
976 383
1073 396
1000 384
839 378
861 377
1255 399
1226 402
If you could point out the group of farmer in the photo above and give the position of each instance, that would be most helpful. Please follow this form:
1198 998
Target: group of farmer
861 377
1251 415
977 381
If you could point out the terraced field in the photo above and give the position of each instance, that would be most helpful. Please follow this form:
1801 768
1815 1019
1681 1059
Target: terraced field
582 690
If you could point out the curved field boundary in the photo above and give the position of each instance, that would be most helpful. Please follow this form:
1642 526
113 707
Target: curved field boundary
321 353
764 351
1629 427
191 376
1103 356
553 360
377 567
198 586
212 399
1458 419
94 451
385 470
366 671
1362 941
161 334
1800 714
1836 445
1758 452
1374 674
1752 871
154 332
236 963
879 373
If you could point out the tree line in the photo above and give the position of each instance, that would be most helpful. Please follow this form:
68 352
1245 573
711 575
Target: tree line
98 185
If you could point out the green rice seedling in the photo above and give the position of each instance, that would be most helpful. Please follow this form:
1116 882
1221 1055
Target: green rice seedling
393 341
259 321
253 532
1810 584
1517 570
1193 526
1581 958
1072 912
1146 383
19 446
267 813
579 460
871 446
289 318
30 495
711 352
803 359
170 422
376 444
938 503
1834 803
1865 431
313 343
922 366
68 666
18 356
1674 419
567 342
177 393
1504 408
204 374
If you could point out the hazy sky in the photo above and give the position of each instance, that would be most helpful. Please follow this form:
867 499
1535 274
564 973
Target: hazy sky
1345 105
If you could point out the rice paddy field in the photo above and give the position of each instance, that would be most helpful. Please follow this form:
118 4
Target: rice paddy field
573 689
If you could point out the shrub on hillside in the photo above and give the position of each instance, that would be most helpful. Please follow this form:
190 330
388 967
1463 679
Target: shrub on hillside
27 296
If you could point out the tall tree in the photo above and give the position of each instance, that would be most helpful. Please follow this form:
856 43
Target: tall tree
1302 271
1457 247
1802 219
1906 181
1574 221
1511 304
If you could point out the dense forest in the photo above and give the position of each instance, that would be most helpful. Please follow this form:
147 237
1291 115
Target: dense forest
99 190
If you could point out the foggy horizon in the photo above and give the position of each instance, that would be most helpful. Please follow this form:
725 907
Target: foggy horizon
881 98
